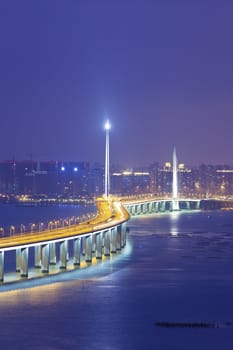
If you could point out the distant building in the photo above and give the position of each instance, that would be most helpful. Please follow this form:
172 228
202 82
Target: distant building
12 176
56 178
130 182
96 180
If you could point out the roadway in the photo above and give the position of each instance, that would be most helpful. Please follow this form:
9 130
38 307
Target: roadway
110 213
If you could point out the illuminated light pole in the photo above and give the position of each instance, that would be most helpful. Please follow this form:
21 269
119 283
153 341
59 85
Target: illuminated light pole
22 228
175 202
107 127
12 230
32 227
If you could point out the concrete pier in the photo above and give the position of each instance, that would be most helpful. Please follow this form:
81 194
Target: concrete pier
18 259
88 255
67 251
63 254
107 243
93 243
77 251
37 256
113 240
83 246
45 258
99 243
1 266
123 235
52 253
118 239
24 262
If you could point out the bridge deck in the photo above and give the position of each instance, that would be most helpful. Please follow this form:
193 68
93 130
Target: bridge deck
110 213
155 199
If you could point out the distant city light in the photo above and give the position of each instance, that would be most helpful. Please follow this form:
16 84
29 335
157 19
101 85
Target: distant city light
63 168
75 169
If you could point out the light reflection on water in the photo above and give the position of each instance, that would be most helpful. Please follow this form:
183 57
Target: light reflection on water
96 269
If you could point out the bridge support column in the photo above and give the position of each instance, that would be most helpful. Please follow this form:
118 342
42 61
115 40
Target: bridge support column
150 207
133 210
162 206
52 253
197 206
113 239
1 266
77 251
37 256
63 255
99 243
24 262
18 259
107 243
187 205
123 235
83 246
171 206
156 206
88 256
140 209
145 208
93 243
45 258
175 205
67 251
118 239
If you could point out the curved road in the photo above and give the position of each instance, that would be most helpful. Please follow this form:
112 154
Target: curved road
111 212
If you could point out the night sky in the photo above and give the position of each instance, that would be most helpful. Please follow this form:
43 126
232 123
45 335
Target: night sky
160 70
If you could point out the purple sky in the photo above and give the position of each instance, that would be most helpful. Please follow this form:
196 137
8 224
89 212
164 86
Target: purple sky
162 71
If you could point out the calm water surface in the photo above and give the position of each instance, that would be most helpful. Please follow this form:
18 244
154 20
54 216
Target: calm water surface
176 267
16 215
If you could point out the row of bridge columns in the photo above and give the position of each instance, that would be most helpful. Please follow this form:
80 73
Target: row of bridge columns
94 244
158 206
146 208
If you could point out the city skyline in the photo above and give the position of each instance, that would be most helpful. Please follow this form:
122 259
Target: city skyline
161 72
163 163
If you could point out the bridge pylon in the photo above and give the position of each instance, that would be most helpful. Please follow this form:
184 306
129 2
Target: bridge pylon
175 202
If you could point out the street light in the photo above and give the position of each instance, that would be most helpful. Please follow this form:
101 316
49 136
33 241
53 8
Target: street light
107 127
50 225
22 228
2 231
12 230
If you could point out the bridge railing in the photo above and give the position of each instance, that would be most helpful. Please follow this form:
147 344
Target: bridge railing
45 226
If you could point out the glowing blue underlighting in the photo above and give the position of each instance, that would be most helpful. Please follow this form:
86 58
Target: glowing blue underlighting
75 169
63 168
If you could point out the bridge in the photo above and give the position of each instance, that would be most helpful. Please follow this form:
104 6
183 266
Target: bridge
103 235
47 252
151 205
